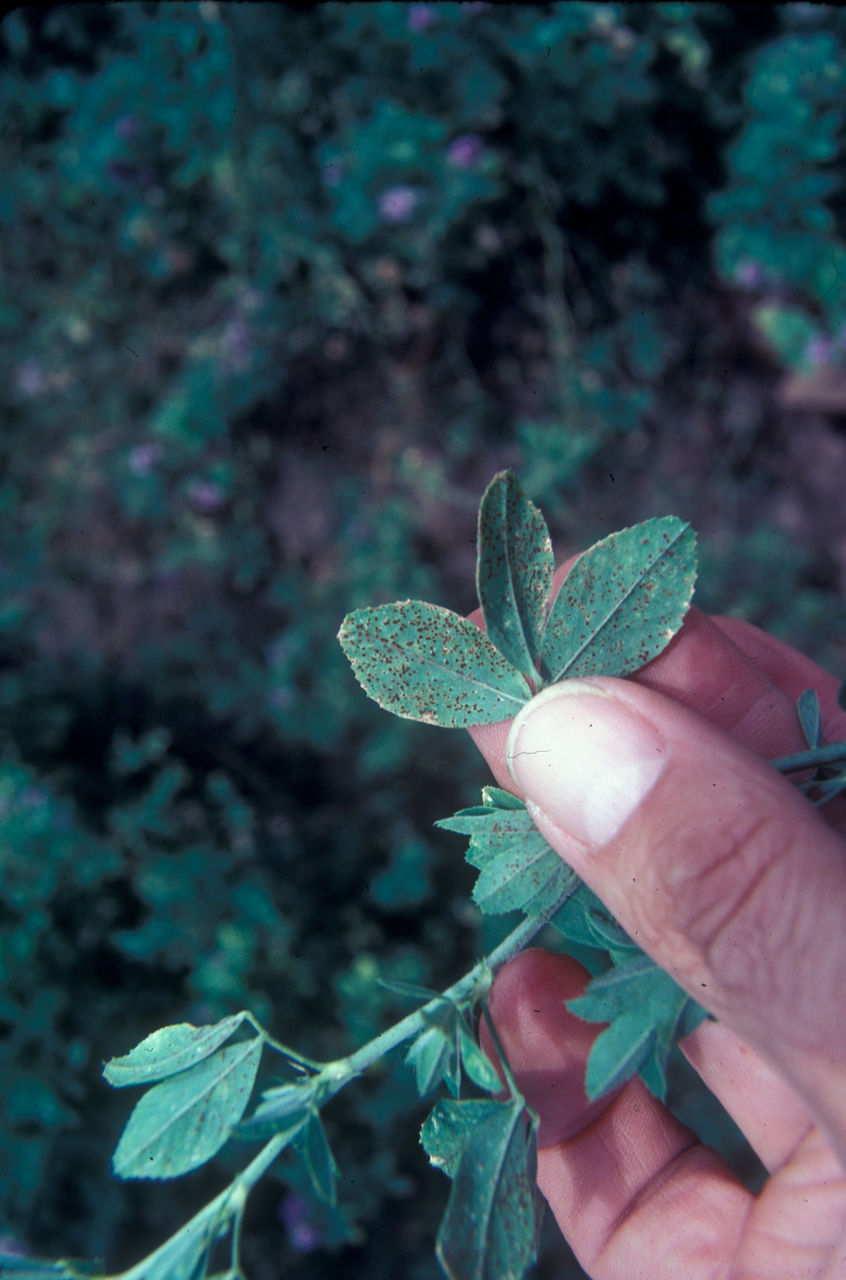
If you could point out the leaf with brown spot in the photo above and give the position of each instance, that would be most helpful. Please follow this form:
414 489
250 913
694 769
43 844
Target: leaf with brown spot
622 602
513 571
427 663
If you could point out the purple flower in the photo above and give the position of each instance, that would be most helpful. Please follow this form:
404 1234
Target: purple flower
464 151
332 174
421 16
397 204
819 350
127 126
749 274
205 496
236 343
143 457
29 379
294 1214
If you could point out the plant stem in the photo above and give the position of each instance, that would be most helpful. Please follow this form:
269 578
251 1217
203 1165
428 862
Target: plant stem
210 1222
461 991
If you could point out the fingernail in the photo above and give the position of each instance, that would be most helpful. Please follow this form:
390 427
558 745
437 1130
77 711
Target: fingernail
584 759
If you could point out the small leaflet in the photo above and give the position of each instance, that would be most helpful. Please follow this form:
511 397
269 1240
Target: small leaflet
284 1109
476 1063
622 602
513 572
808 708
319 1160
181 1123
434 1057
648 1011
169 1050
427 663
489 1150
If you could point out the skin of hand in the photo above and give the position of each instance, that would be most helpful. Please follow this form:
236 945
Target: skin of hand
657 791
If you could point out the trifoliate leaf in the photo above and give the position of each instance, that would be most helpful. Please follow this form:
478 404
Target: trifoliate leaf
513 571
427 663
182 1122
808 707
622 601
489 1150
647 1011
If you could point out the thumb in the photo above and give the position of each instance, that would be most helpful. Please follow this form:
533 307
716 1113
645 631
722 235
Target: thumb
712 862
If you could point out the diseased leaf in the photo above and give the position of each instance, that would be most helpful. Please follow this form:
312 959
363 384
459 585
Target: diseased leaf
513 571
182 1122
489 1150
427 663
622 601
169 1050
528 876
518 869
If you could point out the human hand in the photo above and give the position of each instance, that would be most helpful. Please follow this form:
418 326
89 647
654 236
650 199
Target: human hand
656 791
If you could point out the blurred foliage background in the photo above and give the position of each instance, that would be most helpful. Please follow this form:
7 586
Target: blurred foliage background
282 287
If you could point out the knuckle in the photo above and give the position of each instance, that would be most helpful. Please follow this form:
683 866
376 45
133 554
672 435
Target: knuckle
727 906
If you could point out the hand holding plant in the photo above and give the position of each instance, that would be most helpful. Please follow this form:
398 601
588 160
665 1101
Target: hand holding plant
647 826
656 793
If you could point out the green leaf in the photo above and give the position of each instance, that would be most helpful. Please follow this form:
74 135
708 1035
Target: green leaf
618 1053
518 869
513 571
434 1057
489 1150
808 707
622 601
281 1109
181 1123
647 1011
476 1062
427 663
319 1160
168 1051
